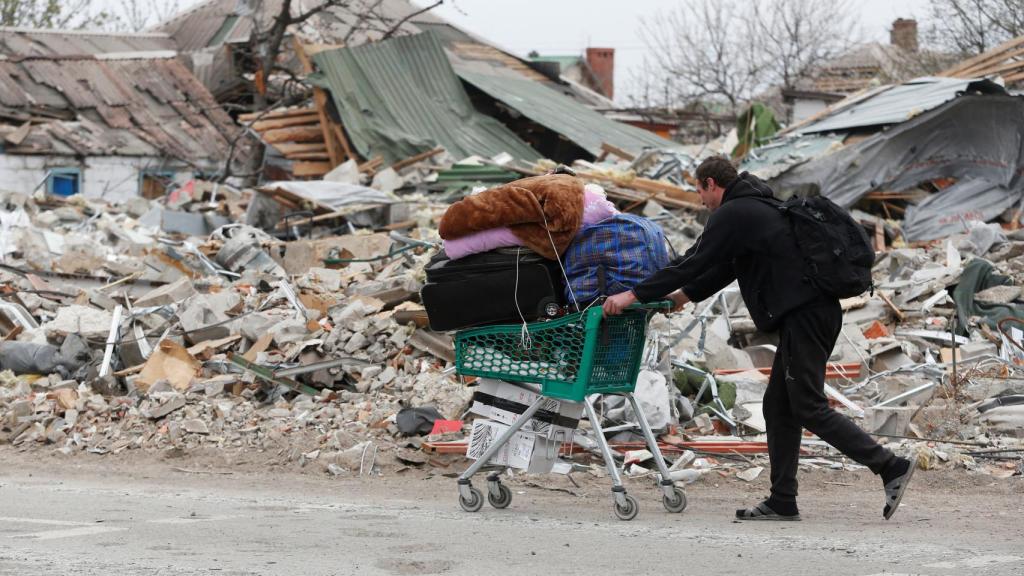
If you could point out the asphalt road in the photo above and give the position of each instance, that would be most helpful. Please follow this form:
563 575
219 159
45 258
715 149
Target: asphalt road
166 522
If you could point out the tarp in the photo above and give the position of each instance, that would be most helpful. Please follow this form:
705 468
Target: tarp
971 137
945 213
977 276
400 97
585 127
754 127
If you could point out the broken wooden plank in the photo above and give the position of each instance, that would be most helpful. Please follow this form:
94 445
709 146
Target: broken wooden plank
322 156
297 147
610 149
339 133
371 166
285 113
264 125
417 158
293 134
20 133
304 168
899 313
320 103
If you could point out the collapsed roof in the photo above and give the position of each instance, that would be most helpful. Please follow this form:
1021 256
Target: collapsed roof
27 42
205 33
400 97
119 105
379 90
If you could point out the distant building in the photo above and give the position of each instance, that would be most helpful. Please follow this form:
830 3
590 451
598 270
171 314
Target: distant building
595 69
105 115
864 66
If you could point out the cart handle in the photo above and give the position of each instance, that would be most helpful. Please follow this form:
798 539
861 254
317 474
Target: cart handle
656 305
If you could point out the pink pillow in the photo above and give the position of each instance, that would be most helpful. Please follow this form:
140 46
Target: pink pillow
596 206
480 242
595 209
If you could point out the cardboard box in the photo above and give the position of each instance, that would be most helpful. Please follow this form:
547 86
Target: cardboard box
539 427
525 451
505 402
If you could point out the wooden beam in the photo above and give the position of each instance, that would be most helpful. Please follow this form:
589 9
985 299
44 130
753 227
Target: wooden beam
303 168
320 101
417 158
339 133
899 313
293 134
372 165
264 125
287 113
323 156
992 54
1003 63
296 148
607 148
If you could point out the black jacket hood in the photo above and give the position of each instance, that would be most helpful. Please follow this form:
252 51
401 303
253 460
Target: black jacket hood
746 184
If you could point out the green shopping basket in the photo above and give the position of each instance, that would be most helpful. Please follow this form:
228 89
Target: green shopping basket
571 358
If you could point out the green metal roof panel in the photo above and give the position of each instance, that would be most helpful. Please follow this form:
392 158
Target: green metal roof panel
565 62
400 97
587 128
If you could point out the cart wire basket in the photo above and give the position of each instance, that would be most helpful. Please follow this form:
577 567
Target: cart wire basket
571 358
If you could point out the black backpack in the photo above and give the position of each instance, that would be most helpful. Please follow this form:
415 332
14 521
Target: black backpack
837 253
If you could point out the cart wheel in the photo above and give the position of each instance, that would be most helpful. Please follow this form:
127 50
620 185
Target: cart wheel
474 503
503 499
629 511
675 503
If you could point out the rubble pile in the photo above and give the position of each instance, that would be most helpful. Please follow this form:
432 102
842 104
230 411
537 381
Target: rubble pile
125 327
120 335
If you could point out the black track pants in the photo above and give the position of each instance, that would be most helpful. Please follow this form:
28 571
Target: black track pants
796 399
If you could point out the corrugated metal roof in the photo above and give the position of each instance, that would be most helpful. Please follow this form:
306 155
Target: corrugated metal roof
899 103
137 107
28 42
587 128
400 97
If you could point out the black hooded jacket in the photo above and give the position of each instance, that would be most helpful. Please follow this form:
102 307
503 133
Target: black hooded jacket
747 239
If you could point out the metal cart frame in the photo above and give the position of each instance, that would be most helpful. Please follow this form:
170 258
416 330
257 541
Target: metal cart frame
582 384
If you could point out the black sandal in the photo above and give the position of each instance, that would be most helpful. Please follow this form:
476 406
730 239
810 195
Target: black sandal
763 512
894 490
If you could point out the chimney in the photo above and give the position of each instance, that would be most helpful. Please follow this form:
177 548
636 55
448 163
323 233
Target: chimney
904 34
602 63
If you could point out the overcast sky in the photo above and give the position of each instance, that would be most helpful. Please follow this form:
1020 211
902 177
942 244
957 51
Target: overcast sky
558 27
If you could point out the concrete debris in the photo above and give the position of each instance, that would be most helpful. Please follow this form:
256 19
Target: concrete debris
285 318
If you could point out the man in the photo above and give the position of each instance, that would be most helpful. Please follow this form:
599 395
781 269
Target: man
749 239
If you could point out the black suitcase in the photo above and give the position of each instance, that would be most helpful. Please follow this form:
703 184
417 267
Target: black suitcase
481 289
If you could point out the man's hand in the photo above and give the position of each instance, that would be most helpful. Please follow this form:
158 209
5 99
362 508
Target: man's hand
614 305
679 300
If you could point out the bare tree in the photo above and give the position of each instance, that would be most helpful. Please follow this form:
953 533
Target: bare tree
798 36
971 27
52 14
703 49
272 24
731 50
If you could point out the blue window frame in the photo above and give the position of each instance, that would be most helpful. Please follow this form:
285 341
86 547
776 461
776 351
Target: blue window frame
64 181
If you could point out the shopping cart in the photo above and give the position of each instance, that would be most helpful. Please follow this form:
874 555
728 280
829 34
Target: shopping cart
572 358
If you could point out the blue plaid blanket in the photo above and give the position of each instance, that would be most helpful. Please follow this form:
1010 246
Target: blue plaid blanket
625 247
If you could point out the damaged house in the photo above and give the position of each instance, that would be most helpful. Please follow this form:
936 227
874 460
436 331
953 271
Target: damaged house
111 116
929 155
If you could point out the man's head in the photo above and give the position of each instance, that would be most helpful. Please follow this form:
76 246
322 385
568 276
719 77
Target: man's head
714 175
